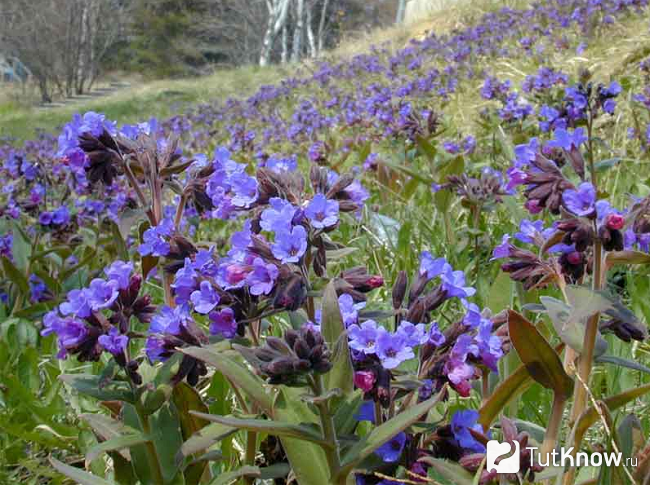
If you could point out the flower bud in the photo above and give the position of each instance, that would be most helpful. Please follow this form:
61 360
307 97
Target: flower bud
399 289
615 221
364 380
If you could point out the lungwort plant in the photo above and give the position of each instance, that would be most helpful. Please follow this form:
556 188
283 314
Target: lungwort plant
337 294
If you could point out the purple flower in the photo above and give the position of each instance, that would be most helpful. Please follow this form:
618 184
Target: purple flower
366 412
70 331
461 423
223 323
435 336
114 342
529 231
37 288
240 242
453 282
503 249
61 216
278 217
244 188
101 293
322 212
45 218
262 279
185 282
154 242
363 338
430 266
392 350
205 298
77 304
489 346
564 139
580 202
413 335
156 349
349 309
170 321
390 451
290 245
120 273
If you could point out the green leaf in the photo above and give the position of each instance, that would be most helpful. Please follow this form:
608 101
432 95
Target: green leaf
385 432
120 245
307 460
204 439
167 438
267 426
570 321
21 247
15 275
449 470
426 148
508 390
231 477
78 475
500 296
590 415
248 382
342 374
91 385
539 358
186 400
113 444
627 257
622 362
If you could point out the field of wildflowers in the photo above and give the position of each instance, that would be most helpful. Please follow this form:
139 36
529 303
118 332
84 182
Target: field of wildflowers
342 278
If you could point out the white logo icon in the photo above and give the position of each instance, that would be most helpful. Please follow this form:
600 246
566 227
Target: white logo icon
495 450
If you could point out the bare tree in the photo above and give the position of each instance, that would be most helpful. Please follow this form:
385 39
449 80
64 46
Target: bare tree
278 10
401 10
61 42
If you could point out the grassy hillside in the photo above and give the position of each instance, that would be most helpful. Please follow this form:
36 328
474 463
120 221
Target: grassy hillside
22 120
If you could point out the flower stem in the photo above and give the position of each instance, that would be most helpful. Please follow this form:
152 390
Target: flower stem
329 431
587 356
152 454
553 427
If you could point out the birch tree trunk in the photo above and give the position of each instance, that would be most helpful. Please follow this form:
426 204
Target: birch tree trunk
401 9
321 27
285 45
297 31
313 49
278 10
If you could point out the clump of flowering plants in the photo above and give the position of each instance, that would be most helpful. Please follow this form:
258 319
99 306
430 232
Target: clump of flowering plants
300 307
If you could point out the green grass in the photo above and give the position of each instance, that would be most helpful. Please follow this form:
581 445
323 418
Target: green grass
21 119
137 102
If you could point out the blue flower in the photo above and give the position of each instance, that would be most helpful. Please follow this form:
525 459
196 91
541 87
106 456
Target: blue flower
413 335
366 412
262 279
363 338
564 139
290 245
322 212
390 451
430 266
101 294
120 272
453 282
580 202
392 350
279 216
461 423
205 298
223 323
114 342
